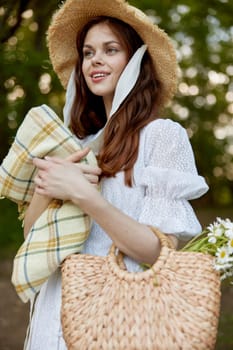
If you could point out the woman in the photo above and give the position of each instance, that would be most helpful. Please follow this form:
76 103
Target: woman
146 167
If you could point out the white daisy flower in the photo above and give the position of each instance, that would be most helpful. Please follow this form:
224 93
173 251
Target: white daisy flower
217 240
230 245
228 224
227 274
222 255
222 267
212 239
219 220
210 228
218 231
229 232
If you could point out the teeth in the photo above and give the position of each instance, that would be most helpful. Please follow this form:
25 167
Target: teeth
99 75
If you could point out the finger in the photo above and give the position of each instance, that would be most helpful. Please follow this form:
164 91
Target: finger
96 186
89 169
40 163
77 156
92 178
41 191
56 160
38 181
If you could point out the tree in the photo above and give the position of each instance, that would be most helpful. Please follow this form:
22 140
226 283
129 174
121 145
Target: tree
26 73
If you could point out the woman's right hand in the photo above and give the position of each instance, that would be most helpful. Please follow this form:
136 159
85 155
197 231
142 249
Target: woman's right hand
39 202
88 171
61 178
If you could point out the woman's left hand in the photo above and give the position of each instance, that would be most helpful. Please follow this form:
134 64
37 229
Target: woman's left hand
59 178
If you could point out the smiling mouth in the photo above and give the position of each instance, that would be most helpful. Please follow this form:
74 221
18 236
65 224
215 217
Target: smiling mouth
99 75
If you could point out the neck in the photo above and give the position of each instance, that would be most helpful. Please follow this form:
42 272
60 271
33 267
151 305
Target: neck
108 106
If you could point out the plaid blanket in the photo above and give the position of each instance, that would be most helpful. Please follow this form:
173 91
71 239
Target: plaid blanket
62 228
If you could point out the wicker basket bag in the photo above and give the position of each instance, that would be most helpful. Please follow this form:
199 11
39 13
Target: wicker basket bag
173 305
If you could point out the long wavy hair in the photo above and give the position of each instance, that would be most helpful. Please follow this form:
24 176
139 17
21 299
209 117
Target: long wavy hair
121 134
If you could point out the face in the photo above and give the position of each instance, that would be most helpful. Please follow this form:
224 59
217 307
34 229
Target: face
104 59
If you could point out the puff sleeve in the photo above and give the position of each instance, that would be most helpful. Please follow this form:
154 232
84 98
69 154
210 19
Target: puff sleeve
170 179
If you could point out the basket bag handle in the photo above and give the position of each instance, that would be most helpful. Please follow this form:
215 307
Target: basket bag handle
118 257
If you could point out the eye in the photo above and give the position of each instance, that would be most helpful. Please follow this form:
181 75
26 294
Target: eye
88 53
111 50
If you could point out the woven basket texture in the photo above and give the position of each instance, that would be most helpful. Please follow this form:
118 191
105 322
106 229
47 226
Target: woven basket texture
173 305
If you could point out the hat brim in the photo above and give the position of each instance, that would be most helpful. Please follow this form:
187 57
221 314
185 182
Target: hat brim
74 14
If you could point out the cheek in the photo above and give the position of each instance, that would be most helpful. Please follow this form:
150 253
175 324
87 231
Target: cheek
83 68
122 64
84 71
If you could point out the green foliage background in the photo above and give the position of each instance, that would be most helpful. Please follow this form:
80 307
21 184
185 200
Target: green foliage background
202 32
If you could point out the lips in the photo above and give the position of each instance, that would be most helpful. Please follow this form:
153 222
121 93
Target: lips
96 76
99 75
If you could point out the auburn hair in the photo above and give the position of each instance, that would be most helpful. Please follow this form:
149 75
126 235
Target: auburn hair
121 134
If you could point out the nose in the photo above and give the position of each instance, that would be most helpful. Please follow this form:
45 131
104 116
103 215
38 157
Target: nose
97 59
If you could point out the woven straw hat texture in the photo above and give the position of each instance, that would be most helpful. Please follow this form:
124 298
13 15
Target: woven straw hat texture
74 14
172 306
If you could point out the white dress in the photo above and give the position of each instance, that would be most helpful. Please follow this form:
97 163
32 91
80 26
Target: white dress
165 178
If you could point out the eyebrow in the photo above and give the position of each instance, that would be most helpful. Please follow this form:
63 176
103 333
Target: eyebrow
105 43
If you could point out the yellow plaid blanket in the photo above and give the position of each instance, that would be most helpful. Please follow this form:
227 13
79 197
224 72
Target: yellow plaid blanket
62 228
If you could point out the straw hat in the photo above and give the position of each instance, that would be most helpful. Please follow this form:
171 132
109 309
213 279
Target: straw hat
74 14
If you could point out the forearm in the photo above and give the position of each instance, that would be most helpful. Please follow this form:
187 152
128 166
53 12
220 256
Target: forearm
132 238
37 205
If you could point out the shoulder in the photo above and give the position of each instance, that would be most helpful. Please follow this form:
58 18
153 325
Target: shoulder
165 142
164 124
164 130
